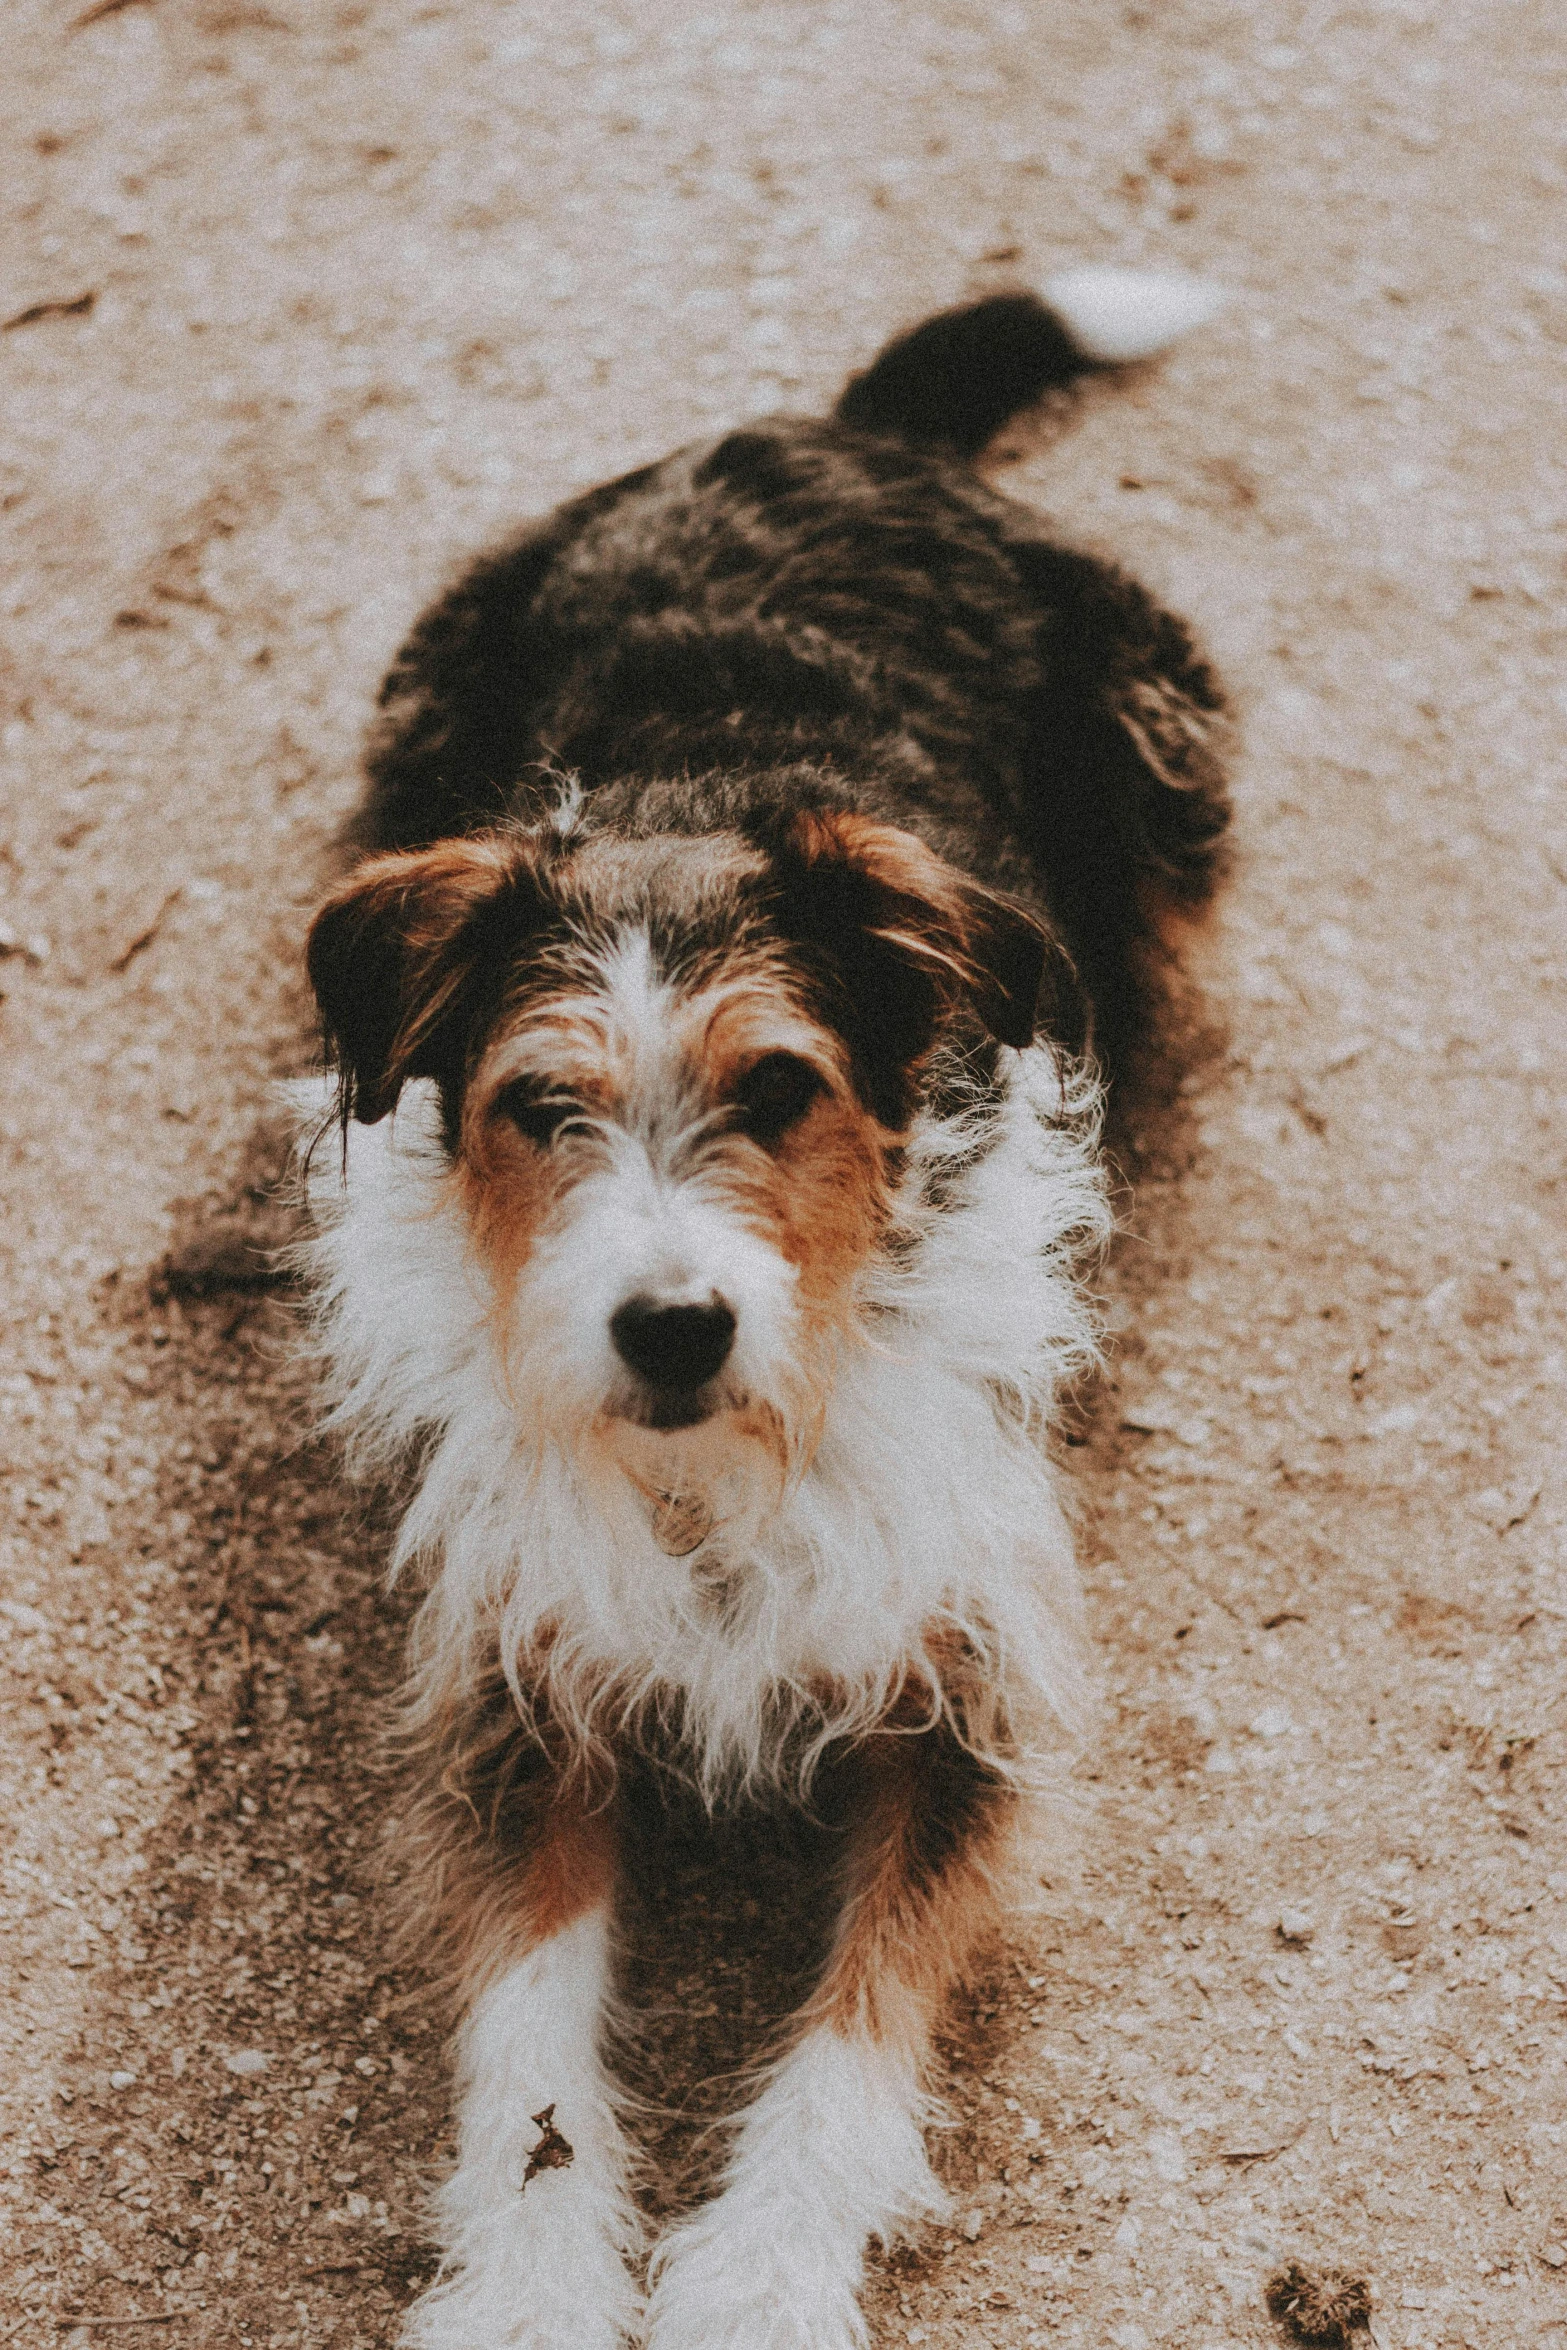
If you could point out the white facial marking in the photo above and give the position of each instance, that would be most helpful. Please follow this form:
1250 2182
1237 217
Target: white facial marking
649 1214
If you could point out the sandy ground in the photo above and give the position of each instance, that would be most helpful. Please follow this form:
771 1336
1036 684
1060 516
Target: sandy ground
305 302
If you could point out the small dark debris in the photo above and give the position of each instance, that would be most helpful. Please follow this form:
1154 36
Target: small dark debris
1306 1111
102 8
1232 479
78 306
245 20
1243 2156
1285 1615
552 2151
1003 253
143 938
1322 2308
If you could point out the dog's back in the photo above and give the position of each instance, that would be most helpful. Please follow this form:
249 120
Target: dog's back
842 597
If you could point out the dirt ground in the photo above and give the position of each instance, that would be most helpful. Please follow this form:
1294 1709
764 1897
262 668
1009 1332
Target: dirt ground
304 302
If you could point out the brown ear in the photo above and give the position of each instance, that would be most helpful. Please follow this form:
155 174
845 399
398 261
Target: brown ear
910 938
399 956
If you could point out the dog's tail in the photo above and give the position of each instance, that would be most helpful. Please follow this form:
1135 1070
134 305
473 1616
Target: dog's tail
954 381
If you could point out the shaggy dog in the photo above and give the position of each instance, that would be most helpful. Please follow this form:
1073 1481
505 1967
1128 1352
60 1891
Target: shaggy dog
768 852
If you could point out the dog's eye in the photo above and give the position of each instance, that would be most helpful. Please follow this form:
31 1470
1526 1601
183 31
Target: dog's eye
775 1092
534 1111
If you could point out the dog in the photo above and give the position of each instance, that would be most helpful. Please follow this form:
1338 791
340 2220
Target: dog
765 859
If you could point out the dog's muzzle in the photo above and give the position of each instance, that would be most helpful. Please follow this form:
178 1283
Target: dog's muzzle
676 1351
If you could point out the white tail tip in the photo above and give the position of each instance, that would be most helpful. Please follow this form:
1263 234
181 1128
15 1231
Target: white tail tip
1118 315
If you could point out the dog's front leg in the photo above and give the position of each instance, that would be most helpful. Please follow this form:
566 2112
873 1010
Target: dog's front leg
536 2222
832 2152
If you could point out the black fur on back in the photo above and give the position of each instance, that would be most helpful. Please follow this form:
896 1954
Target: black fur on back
840 603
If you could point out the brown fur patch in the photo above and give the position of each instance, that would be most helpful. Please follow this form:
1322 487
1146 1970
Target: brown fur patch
394 950
968 940
508 1188
818 1193
507 1846
927 1829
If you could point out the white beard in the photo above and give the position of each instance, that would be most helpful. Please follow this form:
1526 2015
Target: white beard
912 1507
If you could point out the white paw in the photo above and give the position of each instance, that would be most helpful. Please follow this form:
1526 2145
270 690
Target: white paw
713 2291
493 2312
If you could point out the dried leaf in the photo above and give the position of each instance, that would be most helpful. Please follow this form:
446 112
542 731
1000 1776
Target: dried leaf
552 2151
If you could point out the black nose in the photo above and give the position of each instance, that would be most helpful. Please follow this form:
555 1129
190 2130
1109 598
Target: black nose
673 1346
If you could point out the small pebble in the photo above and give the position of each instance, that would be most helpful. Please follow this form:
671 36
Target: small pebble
1295 1926
25 1618
247 2062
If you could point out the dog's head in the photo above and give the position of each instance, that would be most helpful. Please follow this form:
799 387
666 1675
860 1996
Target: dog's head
674 1073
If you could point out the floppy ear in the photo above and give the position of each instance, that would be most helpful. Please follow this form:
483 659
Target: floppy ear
400 956
909 938
1026 981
